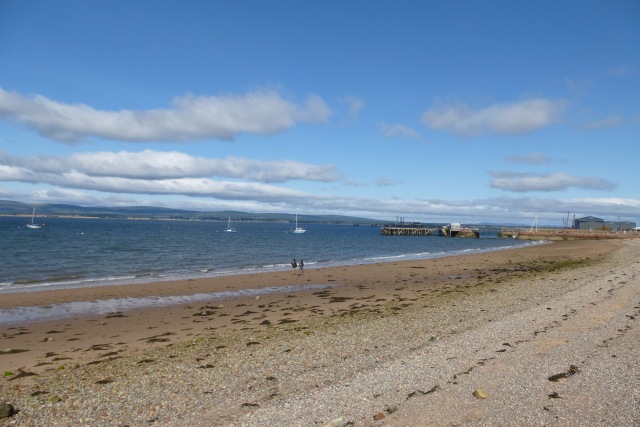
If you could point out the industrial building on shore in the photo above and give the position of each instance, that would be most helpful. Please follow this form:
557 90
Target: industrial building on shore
593 223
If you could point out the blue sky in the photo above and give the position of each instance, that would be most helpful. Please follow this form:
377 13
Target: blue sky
467 111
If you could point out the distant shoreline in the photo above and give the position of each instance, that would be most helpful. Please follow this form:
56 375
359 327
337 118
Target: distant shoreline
543 233
185 219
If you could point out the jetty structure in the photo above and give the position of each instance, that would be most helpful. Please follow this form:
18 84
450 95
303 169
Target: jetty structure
447 230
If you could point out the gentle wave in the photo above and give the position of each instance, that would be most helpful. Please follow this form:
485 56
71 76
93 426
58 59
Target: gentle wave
53 284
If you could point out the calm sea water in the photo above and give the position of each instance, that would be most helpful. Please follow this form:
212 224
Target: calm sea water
91 252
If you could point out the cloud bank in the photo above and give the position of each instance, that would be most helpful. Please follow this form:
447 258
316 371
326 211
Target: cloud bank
170 173
208 195
191 118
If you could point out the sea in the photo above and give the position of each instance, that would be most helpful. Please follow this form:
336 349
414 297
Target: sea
82 252
74 252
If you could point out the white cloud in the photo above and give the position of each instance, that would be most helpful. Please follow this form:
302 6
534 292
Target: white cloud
183 186
393 130
525 182
191 118
515 118
152 164
164 173
200 187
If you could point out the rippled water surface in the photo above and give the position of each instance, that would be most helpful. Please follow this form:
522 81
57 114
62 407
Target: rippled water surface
90 252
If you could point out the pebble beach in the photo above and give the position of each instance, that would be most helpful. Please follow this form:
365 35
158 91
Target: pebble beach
542 335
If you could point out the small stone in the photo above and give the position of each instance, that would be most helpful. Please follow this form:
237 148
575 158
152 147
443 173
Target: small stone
480 393
378 416
6 410
391 409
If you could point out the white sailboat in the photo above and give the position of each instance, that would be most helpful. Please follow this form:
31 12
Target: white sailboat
33 224
298 230
230 229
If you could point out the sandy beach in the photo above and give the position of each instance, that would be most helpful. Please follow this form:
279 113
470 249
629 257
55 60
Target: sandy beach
543 335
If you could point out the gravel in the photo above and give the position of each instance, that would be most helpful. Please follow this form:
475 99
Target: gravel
419 365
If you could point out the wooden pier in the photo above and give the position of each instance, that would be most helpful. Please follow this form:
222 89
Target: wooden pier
429 231
410 231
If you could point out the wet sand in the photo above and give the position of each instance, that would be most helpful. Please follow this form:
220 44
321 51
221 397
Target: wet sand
363 295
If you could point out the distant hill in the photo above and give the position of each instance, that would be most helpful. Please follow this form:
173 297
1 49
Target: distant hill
8 207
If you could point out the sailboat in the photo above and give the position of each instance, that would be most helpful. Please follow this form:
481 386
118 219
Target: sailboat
230 229
33 224
298 230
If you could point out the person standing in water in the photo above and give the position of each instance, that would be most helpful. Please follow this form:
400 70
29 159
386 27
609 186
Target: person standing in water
294 264
301 266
